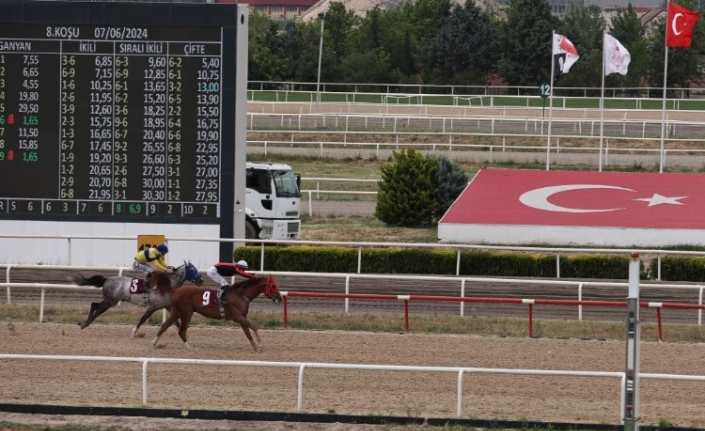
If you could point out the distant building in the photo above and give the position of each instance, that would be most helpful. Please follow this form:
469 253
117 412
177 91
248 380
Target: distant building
564 6
276 9
624 3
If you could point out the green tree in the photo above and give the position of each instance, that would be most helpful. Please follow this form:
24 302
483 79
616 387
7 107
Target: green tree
526 42
338 26
627 28
367 59
406 193
265 48
426 18
302 52
450 180
585 27
464 50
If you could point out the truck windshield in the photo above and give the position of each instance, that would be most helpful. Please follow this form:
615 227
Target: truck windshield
285 183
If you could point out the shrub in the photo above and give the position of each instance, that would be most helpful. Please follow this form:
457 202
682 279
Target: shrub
407 192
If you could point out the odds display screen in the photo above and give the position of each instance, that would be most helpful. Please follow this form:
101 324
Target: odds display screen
116 111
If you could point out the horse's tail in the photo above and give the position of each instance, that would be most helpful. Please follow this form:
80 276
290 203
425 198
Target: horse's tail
96 280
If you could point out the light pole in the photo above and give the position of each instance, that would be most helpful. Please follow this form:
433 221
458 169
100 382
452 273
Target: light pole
322 19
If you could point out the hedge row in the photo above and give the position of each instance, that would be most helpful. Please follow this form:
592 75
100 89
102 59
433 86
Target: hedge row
391 260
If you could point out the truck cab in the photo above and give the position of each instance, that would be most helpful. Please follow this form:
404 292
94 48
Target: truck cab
273 202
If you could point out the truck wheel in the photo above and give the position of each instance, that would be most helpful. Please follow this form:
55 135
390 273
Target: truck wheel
250 231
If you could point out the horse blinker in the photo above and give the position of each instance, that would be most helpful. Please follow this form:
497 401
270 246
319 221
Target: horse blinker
271 290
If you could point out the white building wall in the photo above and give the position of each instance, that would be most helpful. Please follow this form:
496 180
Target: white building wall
107 252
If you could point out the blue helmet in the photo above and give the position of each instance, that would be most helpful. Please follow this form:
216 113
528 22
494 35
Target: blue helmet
163 249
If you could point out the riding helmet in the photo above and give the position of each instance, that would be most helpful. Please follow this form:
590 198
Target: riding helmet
163 249
243 264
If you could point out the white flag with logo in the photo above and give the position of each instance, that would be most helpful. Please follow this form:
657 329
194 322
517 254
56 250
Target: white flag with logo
564 53
615 56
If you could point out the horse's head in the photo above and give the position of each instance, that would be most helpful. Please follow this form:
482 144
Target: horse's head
271 290
192 274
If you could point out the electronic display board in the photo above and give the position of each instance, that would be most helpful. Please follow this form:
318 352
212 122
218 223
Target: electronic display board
117 112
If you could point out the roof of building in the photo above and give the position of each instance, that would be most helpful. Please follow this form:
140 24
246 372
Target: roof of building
360 7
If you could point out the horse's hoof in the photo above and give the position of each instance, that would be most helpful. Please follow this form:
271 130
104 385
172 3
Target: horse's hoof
188 346
155 341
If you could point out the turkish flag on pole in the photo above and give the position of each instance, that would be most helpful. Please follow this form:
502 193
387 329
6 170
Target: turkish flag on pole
564 54
679 26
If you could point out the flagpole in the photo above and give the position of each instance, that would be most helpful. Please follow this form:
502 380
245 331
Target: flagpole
550 104
662 155
602 102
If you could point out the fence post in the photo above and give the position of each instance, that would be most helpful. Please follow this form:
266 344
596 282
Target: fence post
7 280
144 381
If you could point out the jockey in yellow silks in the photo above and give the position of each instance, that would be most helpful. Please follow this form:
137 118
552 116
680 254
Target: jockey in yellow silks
152 259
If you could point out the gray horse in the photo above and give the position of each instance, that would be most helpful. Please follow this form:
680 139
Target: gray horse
155 295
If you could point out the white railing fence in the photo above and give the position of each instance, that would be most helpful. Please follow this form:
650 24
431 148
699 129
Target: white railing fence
286 91
303 366
459 248
461 282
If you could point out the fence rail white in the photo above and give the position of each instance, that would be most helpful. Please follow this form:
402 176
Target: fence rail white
461 281
458 248
490 95
377 128
303 366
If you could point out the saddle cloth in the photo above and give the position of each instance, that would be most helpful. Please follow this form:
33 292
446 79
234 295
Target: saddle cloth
137 285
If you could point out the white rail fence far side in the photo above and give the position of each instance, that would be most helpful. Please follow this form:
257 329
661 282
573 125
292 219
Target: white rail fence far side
463 285
63 256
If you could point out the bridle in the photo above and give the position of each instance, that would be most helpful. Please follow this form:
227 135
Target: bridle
262 288
268 288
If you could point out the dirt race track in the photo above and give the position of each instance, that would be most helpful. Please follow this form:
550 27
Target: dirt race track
417 394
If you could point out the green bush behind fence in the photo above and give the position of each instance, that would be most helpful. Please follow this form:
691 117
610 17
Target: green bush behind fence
399 260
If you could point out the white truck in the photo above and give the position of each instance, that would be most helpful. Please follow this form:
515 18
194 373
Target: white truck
273 202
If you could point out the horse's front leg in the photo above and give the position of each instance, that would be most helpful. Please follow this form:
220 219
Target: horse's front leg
246 325
246 330
185 321
170 321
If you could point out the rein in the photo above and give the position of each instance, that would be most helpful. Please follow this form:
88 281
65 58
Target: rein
264 285
260 288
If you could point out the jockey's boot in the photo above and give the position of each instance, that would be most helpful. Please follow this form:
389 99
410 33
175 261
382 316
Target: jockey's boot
223 294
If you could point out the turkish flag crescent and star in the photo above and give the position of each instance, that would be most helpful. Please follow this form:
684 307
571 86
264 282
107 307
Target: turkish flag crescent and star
571 198
679 26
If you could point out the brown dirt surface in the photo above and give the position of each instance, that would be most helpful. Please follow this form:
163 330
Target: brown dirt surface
366 392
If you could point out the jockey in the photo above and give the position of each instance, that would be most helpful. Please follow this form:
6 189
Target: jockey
152 259
225 269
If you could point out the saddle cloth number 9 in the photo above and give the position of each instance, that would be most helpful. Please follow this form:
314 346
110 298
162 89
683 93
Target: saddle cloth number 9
209 297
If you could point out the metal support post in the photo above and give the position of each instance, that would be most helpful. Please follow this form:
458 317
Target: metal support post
630 415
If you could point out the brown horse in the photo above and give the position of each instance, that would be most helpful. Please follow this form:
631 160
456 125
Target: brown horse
189 299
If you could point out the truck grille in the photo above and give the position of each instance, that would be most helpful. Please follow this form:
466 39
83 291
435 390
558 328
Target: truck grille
293 228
